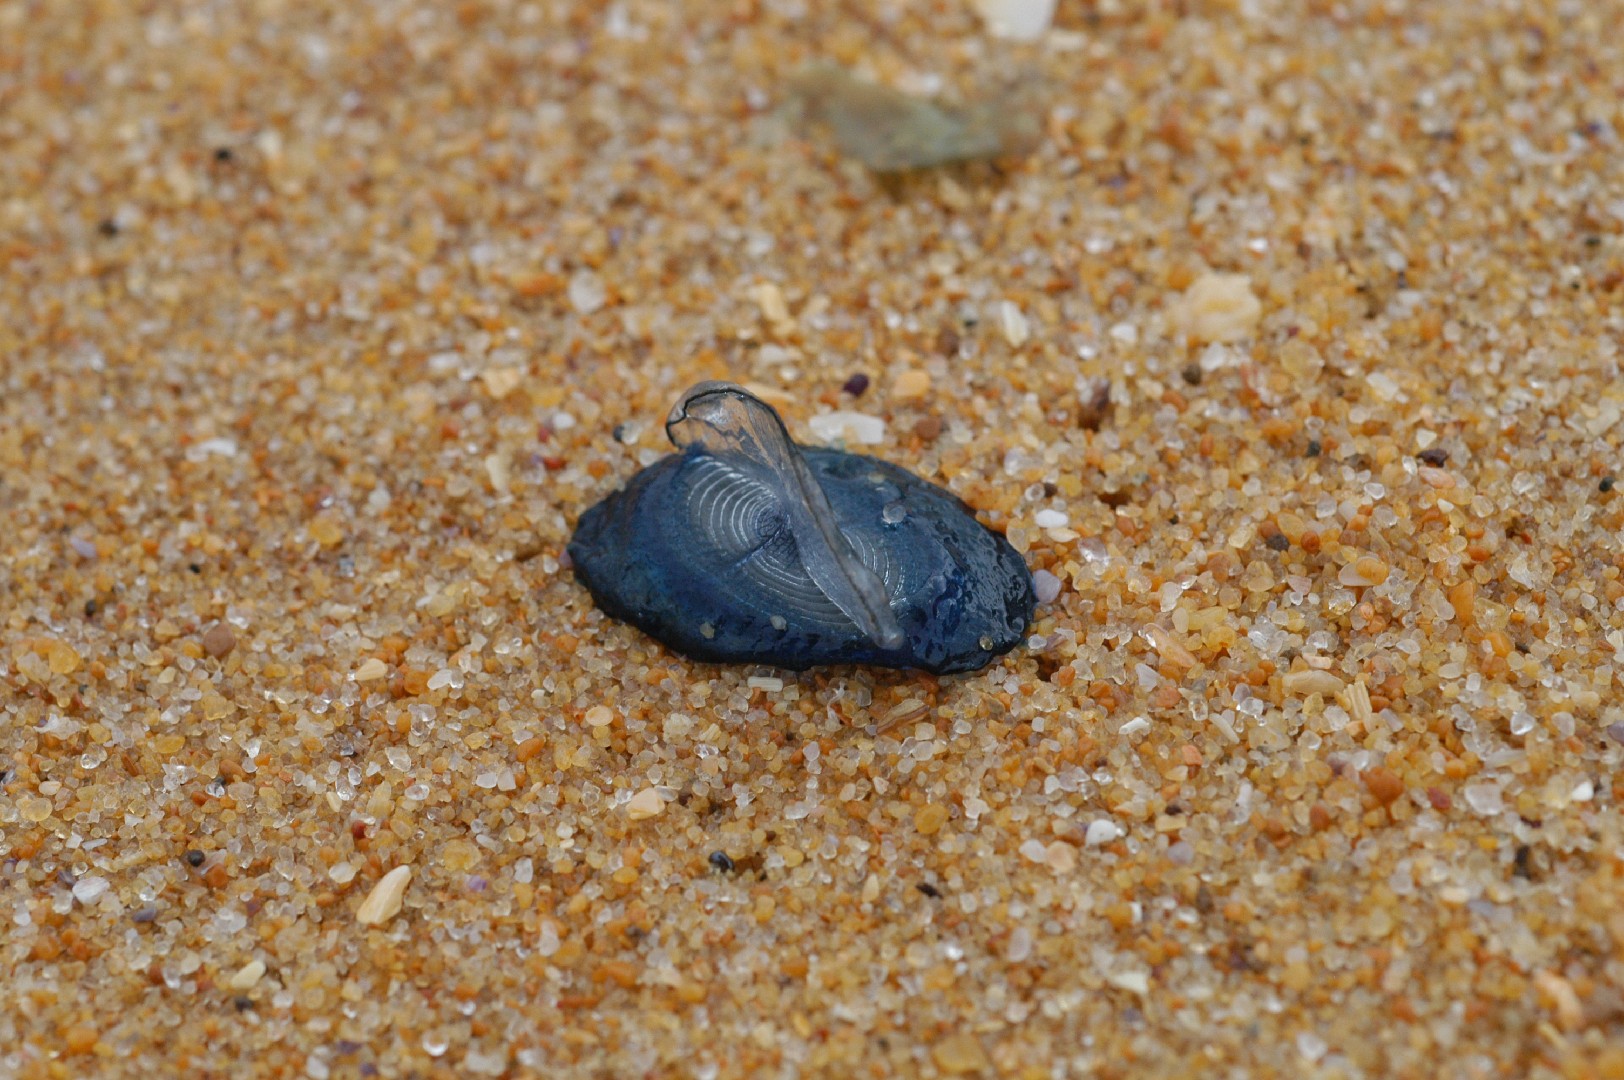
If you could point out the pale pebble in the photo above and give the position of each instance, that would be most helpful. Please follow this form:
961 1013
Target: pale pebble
384 901
848 426
645 804
1217 308
247 976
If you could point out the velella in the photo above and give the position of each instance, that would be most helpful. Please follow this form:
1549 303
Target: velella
744 547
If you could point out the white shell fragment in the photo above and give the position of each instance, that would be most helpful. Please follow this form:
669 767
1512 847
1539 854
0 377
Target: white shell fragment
848 427
383 902
1217 308
1017 20
645 804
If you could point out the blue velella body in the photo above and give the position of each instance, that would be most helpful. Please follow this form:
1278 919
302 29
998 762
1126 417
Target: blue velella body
706 552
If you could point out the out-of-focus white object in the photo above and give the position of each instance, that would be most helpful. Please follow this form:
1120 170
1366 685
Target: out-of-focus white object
1019 20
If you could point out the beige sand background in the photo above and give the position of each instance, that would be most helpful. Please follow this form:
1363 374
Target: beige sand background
316 327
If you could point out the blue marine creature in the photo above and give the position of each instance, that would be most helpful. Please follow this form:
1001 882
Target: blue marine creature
746 548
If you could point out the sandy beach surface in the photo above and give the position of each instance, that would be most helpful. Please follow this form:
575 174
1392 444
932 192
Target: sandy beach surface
1288 352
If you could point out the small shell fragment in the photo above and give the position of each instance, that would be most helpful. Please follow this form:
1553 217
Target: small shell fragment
1017 20
371 670
248 975
1135 982
852 426
1012 322
1217 308
1304 683
1101 831
384 901
645 804
774 308
1362 572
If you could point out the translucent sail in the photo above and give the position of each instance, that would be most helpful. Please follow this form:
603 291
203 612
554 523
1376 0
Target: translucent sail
728 420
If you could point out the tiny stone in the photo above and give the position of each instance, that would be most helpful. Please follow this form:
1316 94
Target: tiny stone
1364 571
959 1055
371 670
325 531
930 818
1436 456
1562 998
218 640
848 426
248 976
1607 483
62 659
721 861
1101 831
1311 1046
1017 20
1045 586
645 804
79 1039
1484 798
87 890
501 381
1383 784
911 385
1436 478
485 1062
500 472
770 298
1013 324
599 716
1051 519
857 385
384 901
1217 308
1358 703
764 682
586 292
1304 683
928 428
1137 982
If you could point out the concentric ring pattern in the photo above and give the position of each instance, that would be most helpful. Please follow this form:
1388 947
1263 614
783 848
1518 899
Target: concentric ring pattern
737 517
